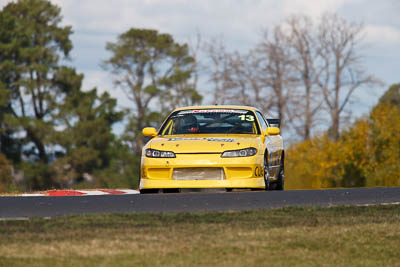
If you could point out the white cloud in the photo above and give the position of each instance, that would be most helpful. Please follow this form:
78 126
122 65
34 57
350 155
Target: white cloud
177 17
239 22
382 35
313 8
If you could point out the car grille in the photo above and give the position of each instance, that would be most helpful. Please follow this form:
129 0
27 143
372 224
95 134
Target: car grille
198 174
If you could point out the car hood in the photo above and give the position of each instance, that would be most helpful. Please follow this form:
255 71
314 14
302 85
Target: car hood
204 143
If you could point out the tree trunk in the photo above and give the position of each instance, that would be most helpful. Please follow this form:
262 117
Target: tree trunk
39 145
334 130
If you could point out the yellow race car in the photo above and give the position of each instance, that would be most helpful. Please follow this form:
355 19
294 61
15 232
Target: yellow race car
226 147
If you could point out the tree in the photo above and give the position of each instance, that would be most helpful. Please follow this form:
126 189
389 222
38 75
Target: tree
152 69
366 154
299 70
179 89
219 70
338 46
391 96
7 144
54 133
277 70
85 139
307 103
262 77
5 174
242 78
31 46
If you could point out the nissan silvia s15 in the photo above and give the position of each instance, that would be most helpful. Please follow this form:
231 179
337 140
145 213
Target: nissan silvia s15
226 147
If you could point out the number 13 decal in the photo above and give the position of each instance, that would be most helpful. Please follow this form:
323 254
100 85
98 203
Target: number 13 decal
246 117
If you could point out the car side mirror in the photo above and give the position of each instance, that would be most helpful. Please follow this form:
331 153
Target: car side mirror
274 122
149 131
272 131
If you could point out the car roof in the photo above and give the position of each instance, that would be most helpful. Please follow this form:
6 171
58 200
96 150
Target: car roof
218 107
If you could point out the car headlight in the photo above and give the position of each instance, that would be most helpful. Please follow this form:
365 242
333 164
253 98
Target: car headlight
153 153
245 152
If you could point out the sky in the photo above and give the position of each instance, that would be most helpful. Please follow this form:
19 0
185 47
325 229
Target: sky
239 23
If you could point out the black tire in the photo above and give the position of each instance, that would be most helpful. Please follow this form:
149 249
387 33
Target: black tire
149 191
281 177
171 190
267 179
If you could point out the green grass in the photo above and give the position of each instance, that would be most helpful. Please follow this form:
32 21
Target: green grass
355 236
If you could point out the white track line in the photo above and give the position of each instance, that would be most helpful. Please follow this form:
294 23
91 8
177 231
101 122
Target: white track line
92 192
88 193
130 191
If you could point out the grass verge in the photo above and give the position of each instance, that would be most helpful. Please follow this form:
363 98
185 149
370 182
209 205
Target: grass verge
359 236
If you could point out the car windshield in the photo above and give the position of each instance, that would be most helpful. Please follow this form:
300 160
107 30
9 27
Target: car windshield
211 121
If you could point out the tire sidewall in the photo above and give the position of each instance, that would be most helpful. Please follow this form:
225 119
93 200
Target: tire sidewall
281 177
266 175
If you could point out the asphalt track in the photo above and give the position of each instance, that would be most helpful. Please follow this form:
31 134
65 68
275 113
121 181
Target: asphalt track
44 206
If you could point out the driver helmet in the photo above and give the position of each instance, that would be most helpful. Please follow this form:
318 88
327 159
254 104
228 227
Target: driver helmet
190 124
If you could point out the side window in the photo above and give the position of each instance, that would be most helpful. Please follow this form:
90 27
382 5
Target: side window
262 121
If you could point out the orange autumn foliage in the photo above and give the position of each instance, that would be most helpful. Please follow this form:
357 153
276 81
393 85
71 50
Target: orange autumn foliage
367 154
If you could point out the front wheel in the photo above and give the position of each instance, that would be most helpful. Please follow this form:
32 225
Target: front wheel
267 178
171 190
149 191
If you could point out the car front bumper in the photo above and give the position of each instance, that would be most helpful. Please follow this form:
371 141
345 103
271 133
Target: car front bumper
240 172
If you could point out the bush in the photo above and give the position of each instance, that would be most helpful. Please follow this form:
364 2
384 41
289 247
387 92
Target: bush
367 154
38 176
6 181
